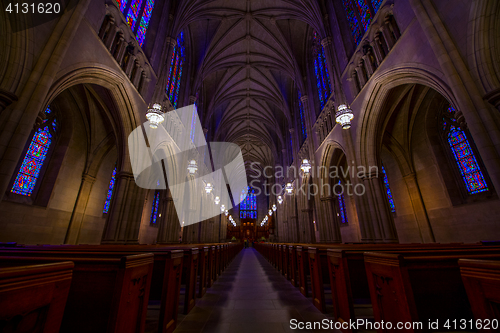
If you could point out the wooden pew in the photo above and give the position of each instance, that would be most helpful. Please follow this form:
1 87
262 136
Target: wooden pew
420 286
32 298
481 279
165 280
107 293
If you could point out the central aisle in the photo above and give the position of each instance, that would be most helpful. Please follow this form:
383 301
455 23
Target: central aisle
250 296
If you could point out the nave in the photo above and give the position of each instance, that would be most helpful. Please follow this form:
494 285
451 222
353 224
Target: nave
250 296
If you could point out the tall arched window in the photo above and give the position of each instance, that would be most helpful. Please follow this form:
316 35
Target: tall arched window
175 72
111 187
360 11
321 70
302 119
35 156
248 204
463 154
342 209
138 14
155 208
388 191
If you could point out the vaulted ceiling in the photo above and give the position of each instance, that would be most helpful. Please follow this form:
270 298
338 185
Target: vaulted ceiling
247 62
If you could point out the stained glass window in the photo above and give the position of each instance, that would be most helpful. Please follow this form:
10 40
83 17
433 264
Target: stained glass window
144 22
376 4
364 13
248 204
154 208
470 170
302 118
353 21
388 191
110 191
138 15
175 72
35 157
342 209
133 13
359 15
321 70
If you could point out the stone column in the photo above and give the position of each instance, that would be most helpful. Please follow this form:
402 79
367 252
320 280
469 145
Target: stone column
332 228
424 225
124 219
327 44
82 200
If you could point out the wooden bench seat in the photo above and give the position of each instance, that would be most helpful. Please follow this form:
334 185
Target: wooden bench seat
108 293
481 279
33 298
420 286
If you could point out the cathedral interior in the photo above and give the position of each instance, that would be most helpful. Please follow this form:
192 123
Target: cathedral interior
366 133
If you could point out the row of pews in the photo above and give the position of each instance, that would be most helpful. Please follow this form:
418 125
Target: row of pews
104 288
397 283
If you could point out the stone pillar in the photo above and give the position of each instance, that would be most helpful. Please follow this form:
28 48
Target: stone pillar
377 50
389 233
124 219
327 44
361 75
330 222
82 200
169 223
424 225
389 38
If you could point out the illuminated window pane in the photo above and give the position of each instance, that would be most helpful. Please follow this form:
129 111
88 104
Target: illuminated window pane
144 22
364 13
110 191
175 71
133 13
376 4
388 191
343 213
34 159
321 70
472 175
353 21
122 4
154 208
248 204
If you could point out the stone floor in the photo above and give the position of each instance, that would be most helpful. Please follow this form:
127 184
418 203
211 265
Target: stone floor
250 296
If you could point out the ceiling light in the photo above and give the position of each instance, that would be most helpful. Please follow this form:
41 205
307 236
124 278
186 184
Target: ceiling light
344 116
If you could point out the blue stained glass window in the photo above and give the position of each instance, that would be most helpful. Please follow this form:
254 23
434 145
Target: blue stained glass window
364 13
376 4
110 191
353 21
343 212
133 13
388 191
175 71
34 158
144 22
154 208
248 204
302 118
137 11
321 70
472 175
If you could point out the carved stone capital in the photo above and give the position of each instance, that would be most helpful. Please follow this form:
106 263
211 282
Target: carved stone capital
326 41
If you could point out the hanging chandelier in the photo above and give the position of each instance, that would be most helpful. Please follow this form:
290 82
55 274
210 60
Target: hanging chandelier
226 213
270 212
217 200
222 208
344 116
155 116
208 188
305 166
192 167
289 188
274 207
280 199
